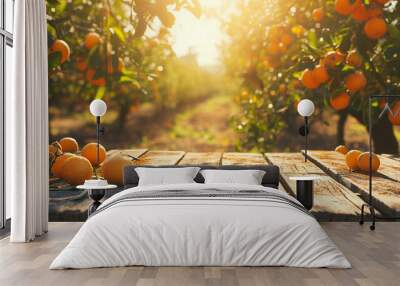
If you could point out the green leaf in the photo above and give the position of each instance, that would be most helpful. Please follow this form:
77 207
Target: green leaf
54 60
100 92
394 33
118 32
312 39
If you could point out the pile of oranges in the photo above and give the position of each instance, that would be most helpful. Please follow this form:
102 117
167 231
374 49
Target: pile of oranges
375 26
75 166
357 160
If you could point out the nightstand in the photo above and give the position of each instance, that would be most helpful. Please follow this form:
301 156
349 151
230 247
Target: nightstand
96 193
304 190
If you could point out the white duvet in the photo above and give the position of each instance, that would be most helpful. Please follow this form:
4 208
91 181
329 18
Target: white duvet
200 231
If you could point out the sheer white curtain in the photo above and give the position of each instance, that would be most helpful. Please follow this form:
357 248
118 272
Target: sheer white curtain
27 124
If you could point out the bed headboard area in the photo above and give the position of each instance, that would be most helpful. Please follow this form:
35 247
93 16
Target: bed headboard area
270 179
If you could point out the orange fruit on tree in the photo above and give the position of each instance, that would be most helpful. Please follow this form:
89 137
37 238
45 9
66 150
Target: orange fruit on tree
375 12
89 151
360 14
101 81
92 39
81 64
381 2
56 168
375 28
346 7
76 170
282 88
309 80
354 59
318 15
395 117
355 81
62 47
333 58
69 144
340 101
273 48
363 162
286 39
113 168
320 74
352 159
342 149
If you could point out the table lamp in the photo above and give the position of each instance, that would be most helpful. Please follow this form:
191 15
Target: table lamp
98 108
305 108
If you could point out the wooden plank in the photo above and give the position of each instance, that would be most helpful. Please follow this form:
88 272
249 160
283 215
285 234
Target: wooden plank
332 201
131 152
390 168
233 158
206 158
386 192
158 158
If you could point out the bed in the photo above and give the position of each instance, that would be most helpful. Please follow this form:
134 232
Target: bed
198 224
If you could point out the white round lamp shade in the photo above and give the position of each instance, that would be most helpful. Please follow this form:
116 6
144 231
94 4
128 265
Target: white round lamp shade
305 107
98 107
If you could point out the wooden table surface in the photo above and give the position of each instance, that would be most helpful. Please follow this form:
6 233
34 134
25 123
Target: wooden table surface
339 193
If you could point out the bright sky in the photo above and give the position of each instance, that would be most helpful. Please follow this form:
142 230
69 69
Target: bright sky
199 36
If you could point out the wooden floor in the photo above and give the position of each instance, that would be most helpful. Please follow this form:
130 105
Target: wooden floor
375 257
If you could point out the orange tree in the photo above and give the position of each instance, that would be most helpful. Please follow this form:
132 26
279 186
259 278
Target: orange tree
336 53
112 49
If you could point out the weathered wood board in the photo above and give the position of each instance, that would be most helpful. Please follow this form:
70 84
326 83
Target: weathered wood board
390 168
386 192
159 158
332 201
130 152
232 158
200 158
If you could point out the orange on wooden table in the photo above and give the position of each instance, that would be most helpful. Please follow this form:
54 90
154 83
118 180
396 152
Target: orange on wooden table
55 148
76 170
363 162
92 39
318 15
395 117
62 47
113 168
342 149
89 151
320 74
340 101
69 144
309 80
375 28
354 59
352 159
346 7
355 81
56 168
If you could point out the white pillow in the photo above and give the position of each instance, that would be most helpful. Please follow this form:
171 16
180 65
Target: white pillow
166 176
248 177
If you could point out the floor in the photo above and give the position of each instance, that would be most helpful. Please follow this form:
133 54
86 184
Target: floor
375 257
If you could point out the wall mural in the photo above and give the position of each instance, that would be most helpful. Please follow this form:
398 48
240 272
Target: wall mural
216 76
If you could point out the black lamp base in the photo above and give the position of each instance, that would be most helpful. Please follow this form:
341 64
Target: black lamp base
372 211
